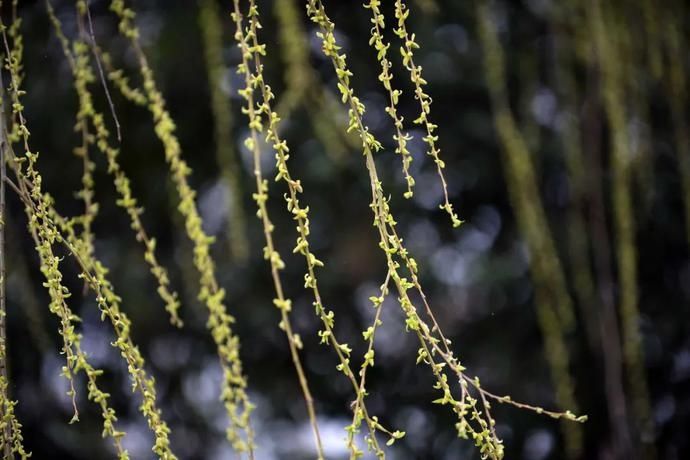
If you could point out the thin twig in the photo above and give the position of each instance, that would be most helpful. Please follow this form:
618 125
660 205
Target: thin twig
101 74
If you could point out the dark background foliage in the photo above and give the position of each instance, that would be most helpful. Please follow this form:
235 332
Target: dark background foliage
476 276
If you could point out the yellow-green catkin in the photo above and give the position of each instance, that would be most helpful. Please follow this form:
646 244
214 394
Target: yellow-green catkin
46 236
95 274
15 55
409 44
44 222
614 105
212 35
11 439
249 47
234 395
401 137
553 304
302 86
252 51
369 334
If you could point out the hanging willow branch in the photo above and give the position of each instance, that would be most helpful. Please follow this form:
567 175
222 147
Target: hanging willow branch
45 236
253 50
474 417
80 63
401 137
42 226
409 44
247 42
220 322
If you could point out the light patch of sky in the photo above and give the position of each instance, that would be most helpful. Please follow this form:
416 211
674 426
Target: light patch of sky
213 207
51 370
97 342
390 339
544 106
538 445
138 440
428 191
201 388
375 116
422 237
296 440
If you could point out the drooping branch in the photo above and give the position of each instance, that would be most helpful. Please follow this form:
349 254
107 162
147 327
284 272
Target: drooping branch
234 395
262 119
474 419
246 41
44 229
407 50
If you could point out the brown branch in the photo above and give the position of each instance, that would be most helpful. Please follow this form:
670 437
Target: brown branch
101 74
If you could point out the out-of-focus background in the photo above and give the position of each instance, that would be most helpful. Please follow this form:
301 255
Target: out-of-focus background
477 277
